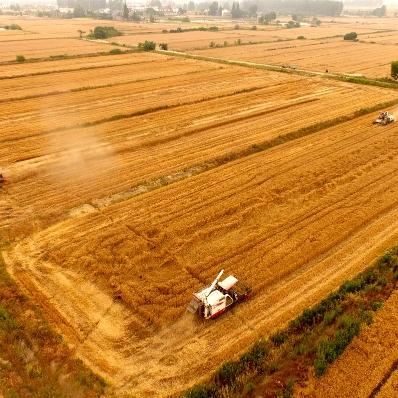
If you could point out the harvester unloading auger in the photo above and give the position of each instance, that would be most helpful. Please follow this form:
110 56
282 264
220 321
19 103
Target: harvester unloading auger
213 300
384 118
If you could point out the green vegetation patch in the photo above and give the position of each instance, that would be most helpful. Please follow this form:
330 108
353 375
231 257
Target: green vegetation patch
104 32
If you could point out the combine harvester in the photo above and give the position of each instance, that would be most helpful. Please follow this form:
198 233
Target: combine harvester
213 300
384 118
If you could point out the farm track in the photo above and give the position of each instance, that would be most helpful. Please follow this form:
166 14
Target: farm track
331 196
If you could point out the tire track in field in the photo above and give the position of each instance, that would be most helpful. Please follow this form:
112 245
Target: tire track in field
384 380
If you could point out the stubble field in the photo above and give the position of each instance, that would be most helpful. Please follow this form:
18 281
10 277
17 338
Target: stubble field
117 205
70 148
336 56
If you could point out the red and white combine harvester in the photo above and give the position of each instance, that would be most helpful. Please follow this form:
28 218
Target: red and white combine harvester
213 300
384 118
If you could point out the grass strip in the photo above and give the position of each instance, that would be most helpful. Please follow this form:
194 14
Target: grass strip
315 339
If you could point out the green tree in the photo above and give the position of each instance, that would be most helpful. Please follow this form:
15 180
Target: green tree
79 11
147 45
125 11
394 70
191 6
213 8
350 36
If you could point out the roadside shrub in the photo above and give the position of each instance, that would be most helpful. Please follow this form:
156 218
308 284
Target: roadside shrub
254 27
20 58
147 45
212 44
213 28
394 70
331 315
350 36
163 46
115 51
164 31
7 322
279 338
201 391
376 305
228 373
288 393
329 350
236 27
12 27
225 44
104 32
300 37
255 356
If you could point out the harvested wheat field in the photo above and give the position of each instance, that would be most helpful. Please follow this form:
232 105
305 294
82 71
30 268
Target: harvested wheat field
132 179
67 155
68 28
381 38
370 60
202 39
47 48
69 65
136 67
372 361
293 222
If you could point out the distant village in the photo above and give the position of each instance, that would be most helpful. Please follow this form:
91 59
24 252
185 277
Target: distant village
152 10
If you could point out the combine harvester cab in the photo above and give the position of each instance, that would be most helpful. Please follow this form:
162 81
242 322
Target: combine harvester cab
213 300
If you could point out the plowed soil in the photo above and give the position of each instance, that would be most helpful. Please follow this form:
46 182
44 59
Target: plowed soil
293 222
